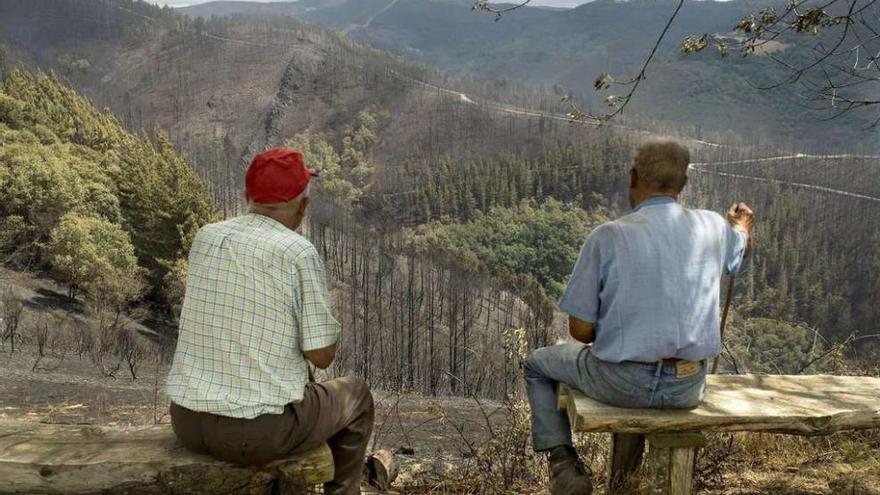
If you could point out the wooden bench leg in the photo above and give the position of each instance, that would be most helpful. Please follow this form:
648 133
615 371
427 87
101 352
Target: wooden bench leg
671 462
625 458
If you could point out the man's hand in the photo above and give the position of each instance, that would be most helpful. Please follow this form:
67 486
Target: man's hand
741 217
581 330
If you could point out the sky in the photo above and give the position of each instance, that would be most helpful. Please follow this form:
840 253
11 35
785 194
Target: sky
549 3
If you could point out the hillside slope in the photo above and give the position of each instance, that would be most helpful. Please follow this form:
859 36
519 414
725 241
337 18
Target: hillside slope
226 87
201 81
566 50
80 195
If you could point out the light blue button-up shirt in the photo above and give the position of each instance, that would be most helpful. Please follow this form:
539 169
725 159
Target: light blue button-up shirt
649 282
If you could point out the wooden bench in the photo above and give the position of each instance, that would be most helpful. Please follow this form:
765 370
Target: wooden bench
799 405
63 459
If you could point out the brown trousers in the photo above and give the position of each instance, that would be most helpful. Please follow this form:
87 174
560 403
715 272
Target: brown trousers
337 412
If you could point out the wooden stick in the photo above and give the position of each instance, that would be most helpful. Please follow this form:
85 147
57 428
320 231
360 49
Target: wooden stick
724 318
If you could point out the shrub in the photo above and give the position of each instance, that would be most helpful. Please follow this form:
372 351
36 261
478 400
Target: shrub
763 345
538 241
60 155
96 256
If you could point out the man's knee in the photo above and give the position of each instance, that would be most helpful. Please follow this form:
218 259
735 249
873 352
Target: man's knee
557 362
357 386
532 364
357 389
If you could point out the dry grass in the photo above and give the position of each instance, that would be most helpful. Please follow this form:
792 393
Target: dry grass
844 463
732 464
769 464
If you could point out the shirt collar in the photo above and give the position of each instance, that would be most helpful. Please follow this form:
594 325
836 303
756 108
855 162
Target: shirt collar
655 200
256 218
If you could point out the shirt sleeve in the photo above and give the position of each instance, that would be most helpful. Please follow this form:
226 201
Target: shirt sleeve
581 298
318 328
734 250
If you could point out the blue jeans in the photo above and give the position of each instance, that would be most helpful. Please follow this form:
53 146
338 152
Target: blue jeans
627 384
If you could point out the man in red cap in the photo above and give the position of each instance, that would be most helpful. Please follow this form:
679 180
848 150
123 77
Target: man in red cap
256 312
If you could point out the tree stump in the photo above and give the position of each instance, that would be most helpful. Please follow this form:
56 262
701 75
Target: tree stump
381 469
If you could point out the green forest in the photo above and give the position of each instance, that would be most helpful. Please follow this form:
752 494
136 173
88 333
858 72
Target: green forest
110 214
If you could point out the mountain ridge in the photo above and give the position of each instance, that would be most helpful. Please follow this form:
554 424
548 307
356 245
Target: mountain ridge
564 51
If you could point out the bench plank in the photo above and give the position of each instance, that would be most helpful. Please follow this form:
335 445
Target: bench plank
802 404
75 459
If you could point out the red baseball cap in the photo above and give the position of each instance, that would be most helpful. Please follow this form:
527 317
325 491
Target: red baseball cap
277 176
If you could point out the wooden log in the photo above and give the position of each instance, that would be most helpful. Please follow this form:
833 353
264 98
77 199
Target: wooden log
677 440
657 466
803 405
73 459
681 470
298 473
625 459
381 469
670 462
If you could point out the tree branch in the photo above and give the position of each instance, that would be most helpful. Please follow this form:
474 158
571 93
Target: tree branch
486 6
831 75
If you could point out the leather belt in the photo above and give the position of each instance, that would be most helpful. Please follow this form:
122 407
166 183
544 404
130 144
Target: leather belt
654 363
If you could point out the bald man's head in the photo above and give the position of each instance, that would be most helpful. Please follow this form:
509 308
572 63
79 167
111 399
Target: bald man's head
662 166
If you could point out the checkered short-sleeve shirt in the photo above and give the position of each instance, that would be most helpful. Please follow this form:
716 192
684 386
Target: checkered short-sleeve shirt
256 299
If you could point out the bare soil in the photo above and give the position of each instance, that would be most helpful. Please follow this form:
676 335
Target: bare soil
433 431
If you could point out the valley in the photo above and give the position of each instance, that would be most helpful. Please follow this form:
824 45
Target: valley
564 51
453 201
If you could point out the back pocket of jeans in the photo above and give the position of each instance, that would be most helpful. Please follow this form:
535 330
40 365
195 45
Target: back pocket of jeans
623 385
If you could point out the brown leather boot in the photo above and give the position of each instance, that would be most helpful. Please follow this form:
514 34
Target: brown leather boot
569 477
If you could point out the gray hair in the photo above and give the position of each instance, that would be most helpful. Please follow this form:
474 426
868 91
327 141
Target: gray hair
663 165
